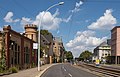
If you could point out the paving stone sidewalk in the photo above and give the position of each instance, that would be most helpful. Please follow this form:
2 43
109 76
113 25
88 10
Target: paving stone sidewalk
30 72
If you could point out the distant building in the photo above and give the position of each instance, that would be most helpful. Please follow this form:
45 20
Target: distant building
102 51
109 42
18 48
115 45
47 45
58 49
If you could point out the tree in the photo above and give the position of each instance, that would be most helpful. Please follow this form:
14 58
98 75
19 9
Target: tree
45 32
41 51
69 55
85 55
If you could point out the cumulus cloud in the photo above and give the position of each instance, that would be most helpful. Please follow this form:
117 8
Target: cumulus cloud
104 22
49 21
85 40
77 7
8 18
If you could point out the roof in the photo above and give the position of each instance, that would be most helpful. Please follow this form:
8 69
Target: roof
115 28
104 44
58 39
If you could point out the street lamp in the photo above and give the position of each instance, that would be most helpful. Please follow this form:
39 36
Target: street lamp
39 24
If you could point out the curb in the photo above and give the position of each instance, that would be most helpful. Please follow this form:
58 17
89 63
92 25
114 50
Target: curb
42 72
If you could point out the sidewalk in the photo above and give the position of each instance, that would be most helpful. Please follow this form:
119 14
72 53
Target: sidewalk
30 72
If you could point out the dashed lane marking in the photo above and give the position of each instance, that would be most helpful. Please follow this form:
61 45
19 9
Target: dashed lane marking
69 74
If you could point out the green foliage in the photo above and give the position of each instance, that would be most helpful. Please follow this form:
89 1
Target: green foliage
69 55
41 51
85 55
45 32
3 56
13 70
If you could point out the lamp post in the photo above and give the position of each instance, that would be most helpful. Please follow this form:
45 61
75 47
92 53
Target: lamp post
39 24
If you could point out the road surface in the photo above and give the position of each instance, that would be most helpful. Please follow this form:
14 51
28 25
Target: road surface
66 70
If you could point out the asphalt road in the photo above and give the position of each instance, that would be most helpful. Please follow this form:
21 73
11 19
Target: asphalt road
66 70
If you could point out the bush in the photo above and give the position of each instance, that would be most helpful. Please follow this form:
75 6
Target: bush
2 69
13 70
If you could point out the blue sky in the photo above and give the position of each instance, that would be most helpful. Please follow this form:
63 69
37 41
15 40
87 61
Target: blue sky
82 24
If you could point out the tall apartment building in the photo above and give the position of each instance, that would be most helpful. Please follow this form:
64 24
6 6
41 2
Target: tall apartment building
115 45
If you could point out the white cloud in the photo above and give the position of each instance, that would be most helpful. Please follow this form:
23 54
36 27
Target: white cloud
85 33
25 21
85 40
77 7
49 21
106 22
8 18
68 19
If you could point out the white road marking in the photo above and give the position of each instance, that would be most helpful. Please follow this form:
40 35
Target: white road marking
69 74
64 68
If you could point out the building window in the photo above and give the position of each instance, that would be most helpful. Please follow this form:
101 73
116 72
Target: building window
59 43
26 55
15 47
12 47
102 54
18 48
16 58
43 40
32 36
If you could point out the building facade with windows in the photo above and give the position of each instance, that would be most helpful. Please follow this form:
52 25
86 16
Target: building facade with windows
102 51
58 49
18 49
115 45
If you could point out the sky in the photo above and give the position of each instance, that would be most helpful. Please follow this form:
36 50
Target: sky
82 24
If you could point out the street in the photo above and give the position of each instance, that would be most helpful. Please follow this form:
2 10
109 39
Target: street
66 70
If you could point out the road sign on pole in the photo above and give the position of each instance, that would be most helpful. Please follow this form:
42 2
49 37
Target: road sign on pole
35 45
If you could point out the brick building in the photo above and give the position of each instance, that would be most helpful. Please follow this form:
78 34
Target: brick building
18 48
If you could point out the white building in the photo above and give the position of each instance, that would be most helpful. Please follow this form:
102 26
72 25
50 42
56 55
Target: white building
102 51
